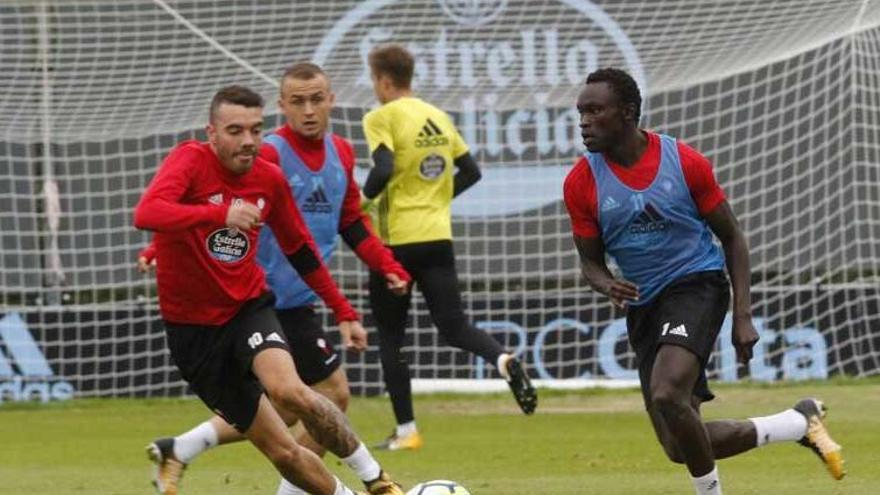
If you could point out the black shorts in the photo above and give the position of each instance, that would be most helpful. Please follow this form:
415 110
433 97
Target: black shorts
216 360
314 355
688 313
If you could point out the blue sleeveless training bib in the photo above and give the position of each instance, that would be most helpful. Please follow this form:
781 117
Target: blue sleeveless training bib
319 196
655 235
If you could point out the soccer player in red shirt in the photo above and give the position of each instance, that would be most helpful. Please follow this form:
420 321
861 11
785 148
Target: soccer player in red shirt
206 206
652 203
320 167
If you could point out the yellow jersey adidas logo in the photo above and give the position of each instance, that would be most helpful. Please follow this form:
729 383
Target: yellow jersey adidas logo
431 135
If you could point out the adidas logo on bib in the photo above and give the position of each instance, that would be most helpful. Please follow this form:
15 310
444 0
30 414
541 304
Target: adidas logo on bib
317 202
609 204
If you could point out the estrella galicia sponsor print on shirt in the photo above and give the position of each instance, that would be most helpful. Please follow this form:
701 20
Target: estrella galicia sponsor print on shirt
228 245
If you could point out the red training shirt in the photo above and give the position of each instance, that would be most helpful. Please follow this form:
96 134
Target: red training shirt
579 189
206 271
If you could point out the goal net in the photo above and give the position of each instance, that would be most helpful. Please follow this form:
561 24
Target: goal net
783 97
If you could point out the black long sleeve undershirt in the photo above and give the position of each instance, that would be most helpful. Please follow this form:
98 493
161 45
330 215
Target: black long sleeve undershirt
468 174
380 174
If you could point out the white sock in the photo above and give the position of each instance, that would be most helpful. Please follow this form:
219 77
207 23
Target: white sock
192 443
288 488
789 425
708 484
363 463
406 429
501 364
342 489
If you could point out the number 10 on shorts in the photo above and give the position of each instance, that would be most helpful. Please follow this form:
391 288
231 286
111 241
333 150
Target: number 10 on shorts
255 340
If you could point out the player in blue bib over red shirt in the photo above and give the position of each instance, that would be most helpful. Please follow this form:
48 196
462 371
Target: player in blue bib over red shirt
652 204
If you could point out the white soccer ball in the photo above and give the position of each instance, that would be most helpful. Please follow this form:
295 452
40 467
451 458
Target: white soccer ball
438 487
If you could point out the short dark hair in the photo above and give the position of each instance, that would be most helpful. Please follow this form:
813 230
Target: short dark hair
304 71
235 95
395 62
623 84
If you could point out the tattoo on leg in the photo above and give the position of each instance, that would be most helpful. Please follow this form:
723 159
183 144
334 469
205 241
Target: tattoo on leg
330 427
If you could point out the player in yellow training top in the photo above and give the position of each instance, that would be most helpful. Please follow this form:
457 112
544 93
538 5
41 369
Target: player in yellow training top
414 146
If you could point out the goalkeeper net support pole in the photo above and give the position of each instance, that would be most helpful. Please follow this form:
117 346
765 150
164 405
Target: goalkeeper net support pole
783 97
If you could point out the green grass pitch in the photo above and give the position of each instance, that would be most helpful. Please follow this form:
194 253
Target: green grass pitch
584 442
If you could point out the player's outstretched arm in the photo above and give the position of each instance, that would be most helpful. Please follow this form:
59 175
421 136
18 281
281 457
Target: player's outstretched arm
160 209
361 239
356 231
468 174
592 255
312 270
723 223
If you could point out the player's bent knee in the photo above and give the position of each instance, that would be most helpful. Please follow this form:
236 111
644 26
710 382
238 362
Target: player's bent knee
293 399
454 330
668 400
